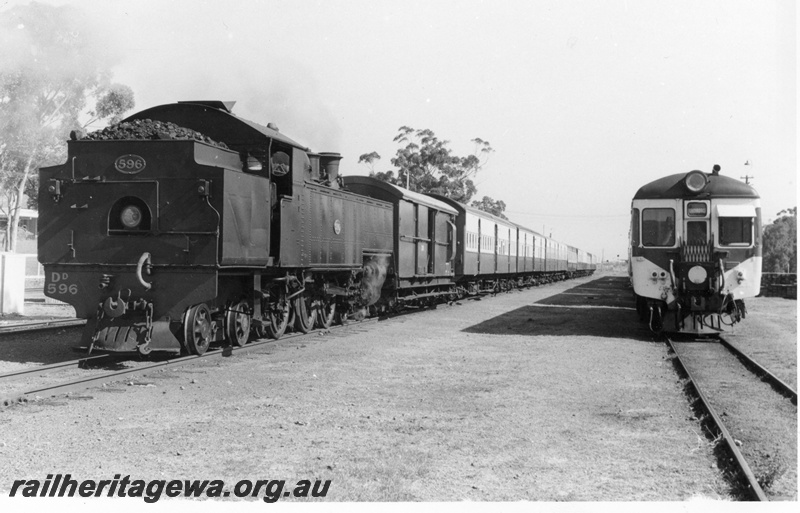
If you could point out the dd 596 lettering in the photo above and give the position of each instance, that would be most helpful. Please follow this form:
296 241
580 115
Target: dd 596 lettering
59 284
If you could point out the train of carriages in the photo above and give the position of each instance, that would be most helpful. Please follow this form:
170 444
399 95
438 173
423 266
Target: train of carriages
695 251
185 225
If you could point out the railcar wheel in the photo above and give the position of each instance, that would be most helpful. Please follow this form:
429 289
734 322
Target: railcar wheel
326 312
278 317
197 329
237 324
305 313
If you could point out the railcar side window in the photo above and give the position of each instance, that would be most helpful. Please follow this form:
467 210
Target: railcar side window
658 227
635 228
735 231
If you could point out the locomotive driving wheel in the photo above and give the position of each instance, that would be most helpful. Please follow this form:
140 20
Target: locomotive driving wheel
237 323
305 313
326 311
277 315
197 329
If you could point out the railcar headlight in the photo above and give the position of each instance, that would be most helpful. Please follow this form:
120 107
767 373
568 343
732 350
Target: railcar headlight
697 275
131 216
695 181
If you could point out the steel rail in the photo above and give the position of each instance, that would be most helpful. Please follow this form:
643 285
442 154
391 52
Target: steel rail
761 371
39 326
752 482
84 383
54 367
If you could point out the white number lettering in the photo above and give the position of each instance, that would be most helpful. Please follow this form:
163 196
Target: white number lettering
57 277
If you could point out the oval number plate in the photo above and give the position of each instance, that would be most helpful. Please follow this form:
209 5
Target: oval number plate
129 164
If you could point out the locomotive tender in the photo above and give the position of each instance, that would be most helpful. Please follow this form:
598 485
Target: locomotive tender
695 251
172 242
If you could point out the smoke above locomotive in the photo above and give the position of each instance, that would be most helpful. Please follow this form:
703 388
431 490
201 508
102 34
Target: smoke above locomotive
186 225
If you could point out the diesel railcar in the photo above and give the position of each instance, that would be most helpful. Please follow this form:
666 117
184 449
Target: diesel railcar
695 251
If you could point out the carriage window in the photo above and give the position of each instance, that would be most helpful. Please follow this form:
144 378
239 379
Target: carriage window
635 228
735 231
658 227
696 232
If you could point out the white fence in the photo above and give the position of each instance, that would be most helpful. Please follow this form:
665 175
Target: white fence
34 272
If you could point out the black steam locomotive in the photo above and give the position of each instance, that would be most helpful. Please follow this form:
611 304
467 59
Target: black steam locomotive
185 225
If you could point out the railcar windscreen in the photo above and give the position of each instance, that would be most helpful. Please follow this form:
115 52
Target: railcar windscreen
696 232
735 231
658 227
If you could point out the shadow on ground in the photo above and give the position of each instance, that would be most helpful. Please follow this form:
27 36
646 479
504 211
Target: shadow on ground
602 308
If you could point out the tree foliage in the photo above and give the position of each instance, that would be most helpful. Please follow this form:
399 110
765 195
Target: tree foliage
52 62
780 243
494 207
426 164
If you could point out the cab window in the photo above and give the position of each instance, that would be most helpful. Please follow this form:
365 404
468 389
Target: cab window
735 231
658 227
696 232
634 235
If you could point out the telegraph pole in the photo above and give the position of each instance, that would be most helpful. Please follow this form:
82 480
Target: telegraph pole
747 177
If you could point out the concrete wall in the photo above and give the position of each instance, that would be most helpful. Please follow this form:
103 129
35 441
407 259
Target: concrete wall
12 283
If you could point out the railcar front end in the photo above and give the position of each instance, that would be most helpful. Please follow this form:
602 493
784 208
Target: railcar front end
695 251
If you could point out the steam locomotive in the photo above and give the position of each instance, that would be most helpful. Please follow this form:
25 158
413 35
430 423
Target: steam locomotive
695 251
185 225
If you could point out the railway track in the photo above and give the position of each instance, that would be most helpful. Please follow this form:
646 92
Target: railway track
40 326
94 362
758 369
744 413
87 381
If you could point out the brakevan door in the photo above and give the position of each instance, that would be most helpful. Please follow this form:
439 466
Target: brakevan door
424 240
406 244
442 241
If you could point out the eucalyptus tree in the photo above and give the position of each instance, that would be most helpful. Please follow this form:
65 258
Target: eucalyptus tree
425 163
53 64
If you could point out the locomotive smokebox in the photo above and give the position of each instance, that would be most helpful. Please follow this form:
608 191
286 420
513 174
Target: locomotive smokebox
329 163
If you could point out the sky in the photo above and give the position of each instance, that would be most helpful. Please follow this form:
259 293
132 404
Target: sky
583 101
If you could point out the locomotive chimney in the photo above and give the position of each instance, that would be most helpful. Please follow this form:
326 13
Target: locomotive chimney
329 168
